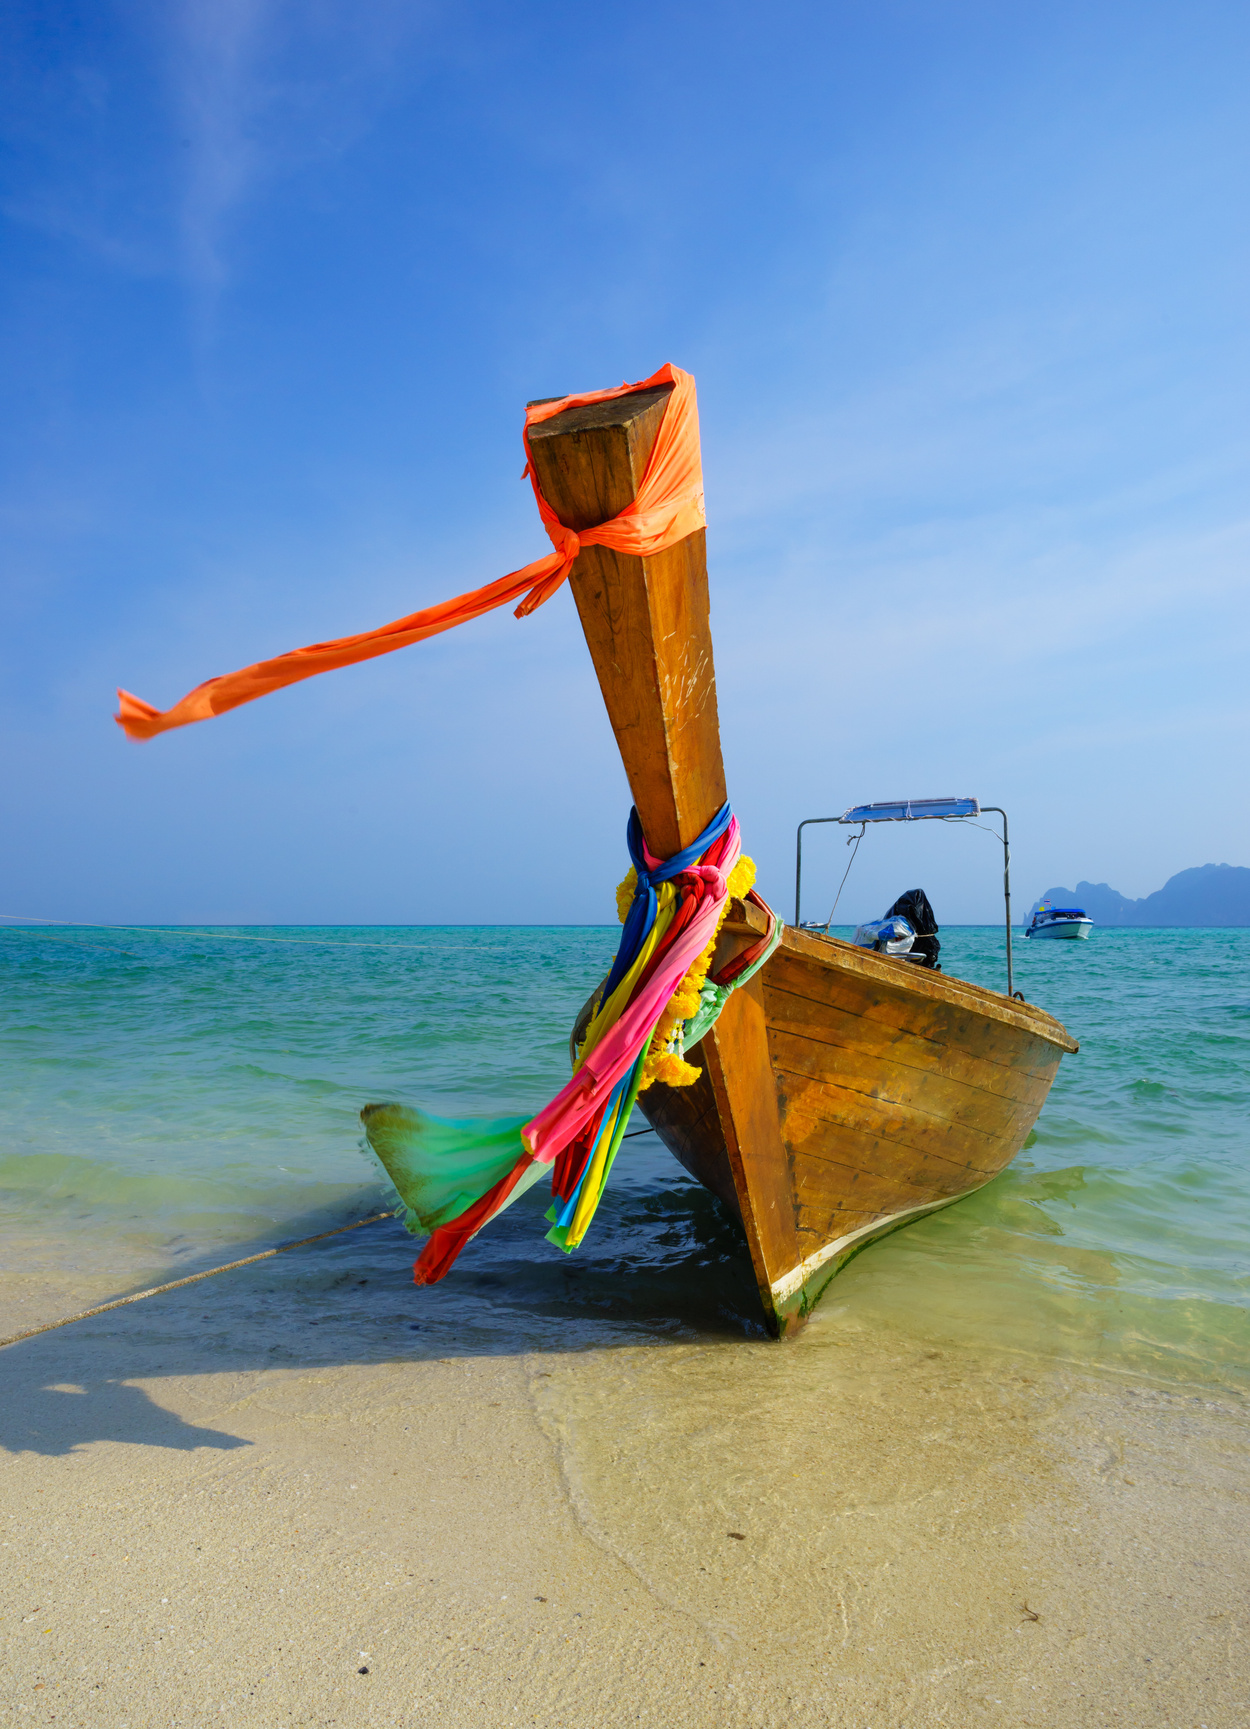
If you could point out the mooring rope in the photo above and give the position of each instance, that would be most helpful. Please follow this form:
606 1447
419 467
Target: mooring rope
194 1278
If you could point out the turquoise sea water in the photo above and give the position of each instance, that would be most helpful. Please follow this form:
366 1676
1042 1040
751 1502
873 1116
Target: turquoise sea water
174 1098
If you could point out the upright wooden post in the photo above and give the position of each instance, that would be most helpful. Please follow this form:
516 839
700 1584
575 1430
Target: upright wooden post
646 620
647 625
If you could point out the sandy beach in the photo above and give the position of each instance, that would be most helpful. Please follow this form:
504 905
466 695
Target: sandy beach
204 1527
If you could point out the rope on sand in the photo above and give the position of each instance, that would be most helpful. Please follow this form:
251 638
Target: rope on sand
194 1278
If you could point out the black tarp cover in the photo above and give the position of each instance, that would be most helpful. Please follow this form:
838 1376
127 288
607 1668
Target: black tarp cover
914 907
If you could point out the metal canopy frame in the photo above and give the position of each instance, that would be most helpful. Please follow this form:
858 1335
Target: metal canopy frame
911 810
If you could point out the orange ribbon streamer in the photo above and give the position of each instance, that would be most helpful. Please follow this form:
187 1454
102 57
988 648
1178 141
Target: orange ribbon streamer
668 507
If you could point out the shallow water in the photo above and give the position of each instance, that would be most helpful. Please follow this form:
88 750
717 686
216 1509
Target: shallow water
172 1098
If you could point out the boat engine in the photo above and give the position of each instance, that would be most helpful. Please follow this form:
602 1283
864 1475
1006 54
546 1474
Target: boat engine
914 907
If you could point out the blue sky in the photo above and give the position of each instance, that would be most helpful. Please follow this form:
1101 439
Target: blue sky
963 287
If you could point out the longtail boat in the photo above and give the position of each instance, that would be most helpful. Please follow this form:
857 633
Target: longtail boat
843 1093
826 1094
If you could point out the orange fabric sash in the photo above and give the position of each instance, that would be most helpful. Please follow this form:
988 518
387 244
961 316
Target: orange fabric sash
669 506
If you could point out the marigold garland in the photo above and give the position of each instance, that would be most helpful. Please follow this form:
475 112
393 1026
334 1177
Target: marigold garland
625 894
664 1062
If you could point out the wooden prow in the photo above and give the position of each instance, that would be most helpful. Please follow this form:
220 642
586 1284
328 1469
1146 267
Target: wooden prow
647 625
646 620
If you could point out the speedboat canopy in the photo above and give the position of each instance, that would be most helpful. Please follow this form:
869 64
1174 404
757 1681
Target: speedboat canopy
911 810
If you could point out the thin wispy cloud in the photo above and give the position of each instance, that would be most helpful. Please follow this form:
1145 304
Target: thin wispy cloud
222 100
217 70
263 90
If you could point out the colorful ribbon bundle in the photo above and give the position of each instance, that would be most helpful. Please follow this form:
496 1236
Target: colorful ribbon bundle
455 1177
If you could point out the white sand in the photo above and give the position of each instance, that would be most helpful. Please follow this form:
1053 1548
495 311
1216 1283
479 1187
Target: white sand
544 1539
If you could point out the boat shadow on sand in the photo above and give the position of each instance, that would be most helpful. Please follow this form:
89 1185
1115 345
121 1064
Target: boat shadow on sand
664 1264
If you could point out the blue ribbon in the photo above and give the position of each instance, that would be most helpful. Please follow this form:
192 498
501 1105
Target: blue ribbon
642 908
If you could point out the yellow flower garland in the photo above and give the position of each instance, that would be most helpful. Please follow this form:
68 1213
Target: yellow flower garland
663 1063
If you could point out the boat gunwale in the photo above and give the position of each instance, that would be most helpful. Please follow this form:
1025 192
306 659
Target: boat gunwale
934 1049
839 956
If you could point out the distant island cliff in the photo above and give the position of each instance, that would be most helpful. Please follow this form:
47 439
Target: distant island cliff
1209 894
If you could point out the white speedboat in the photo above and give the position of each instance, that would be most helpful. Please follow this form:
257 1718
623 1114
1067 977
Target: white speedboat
1070 923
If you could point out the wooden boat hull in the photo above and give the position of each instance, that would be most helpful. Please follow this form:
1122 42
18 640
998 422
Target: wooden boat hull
898 1091
843 1092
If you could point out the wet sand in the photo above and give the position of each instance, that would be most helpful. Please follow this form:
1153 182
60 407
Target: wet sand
850 1530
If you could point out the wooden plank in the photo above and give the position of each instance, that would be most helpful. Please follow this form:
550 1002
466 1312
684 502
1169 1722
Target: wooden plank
895 981
872 1191
820 1225
833 1200
818 1228
911 1133
828 1157
934 1097
954 1051
853 1155
834 1188
838 1117
945 1019
836 1028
